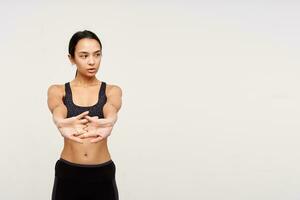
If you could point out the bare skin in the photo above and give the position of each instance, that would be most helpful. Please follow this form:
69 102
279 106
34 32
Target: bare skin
84 149
85 137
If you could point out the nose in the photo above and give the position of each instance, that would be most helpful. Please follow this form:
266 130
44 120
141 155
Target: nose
91 60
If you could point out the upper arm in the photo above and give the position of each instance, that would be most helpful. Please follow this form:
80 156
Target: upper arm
55 96
114 97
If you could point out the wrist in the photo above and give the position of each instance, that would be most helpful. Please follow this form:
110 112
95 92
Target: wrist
57 122
113 119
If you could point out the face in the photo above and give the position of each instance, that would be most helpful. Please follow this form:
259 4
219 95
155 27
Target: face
87 57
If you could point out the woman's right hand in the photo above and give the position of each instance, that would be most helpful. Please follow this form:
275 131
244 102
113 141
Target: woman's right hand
72 127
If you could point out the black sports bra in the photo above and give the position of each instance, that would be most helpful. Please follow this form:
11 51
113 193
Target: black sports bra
94 110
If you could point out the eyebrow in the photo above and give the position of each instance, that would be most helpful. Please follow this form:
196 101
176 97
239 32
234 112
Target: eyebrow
88 52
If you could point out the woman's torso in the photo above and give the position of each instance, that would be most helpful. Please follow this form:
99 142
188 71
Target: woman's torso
86 153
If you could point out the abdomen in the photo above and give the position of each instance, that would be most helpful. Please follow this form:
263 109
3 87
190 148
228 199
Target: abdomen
86 153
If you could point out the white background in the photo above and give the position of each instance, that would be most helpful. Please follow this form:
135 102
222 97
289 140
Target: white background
210 96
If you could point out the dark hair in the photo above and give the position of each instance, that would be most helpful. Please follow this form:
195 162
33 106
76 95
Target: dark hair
78 36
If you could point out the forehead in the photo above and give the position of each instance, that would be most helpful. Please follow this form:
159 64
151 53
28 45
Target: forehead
87 45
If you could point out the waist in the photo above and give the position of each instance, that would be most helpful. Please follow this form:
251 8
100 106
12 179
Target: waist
85 172
86 153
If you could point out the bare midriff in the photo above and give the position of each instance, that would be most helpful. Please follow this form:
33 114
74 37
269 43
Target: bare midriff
85 153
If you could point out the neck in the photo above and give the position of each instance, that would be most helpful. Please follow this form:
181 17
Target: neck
85 81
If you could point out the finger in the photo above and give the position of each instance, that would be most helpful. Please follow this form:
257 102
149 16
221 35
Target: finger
82 129
82 114
87 134
84 137
92 119
98 139
83 121
76 139
80 132
81 126
66 121
83 134
85 128
94 116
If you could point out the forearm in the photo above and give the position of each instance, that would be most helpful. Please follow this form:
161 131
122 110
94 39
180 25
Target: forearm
110 112
113 104
59 113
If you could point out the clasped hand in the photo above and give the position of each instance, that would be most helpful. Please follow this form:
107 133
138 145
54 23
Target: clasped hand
83 126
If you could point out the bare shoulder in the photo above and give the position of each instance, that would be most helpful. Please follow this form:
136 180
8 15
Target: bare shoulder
113 89
56 90
55 96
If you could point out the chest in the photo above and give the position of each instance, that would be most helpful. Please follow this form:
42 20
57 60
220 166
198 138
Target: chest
79 100
85 97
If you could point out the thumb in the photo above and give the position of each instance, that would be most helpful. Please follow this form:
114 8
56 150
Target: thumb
82 114
92 119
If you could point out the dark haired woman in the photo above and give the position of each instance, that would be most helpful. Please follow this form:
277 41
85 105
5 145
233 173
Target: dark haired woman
85 111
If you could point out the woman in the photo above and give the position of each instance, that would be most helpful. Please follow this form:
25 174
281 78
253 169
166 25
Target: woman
85 111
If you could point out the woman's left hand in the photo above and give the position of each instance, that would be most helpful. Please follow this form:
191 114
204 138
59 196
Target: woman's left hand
97 128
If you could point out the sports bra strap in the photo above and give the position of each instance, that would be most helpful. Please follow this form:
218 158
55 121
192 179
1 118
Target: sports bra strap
69 92
102 89
67 89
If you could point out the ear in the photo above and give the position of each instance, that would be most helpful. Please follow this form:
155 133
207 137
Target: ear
71 59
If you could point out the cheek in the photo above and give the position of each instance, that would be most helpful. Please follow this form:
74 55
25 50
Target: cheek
81 63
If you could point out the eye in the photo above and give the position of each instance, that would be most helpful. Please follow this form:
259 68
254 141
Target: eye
98 54
83 56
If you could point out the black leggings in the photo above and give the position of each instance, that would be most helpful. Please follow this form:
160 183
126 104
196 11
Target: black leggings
84 182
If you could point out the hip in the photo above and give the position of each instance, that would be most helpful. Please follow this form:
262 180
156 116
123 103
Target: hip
84 181
67 170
